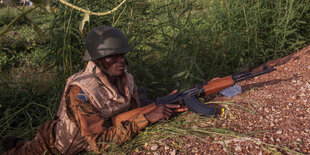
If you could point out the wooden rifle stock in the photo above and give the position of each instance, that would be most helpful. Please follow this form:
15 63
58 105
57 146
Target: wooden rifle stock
217 85
130 115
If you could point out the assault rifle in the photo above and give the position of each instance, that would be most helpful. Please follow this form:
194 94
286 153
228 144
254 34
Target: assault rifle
189 99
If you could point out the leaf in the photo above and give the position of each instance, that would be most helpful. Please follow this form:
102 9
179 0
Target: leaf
82 23
48 7
75 33
199 70
289 32
197 78
156 46
186 10
179 74
44 8
38 1
114 23
301 22
149 75
36 28
170 16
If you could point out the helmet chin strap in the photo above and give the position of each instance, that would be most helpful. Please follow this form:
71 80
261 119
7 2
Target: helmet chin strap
100 82
104 70
127 64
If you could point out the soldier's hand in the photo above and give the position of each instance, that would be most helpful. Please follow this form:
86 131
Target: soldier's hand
163 112
214 79
178 109
173 92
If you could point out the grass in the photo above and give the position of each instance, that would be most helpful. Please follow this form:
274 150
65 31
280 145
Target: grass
176 44
7 14
23 40
29 90
28 99
228 37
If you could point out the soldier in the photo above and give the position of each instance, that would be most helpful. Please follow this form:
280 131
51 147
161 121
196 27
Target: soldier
91 98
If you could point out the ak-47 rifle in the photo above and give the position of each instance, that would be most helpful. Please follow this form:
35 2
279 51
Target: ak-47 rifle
189 99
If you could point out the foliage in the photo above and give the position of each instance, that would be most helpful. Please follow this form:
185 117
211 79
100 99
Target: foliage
14 2
2 5
187 36
23 38
175 44
29 94
7 14
22 106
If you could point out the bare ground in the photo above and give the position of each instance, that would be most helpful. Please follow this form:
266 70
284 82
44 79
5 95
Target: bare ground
271 116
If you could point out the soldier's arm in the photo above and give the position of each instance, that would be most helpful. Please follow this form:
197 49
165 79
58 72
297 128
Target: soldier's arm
134 102
99 133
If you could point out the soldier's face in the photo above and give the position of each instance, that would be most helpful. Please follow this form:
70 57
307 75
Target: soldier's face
115 64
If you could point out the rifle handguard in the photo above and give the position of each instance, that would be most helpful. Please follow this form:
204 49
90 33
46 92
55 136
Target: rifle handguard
217 85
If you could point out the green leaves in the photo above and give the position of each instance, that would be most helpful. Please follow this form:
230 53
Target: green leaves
36 28
179 74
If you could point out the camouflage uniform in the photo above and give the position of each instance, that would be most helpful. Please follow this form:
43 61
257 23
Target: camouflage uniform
84 116
42 143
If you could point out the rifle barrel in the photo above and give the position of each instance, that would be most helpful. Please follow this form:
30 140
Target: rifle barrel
238 77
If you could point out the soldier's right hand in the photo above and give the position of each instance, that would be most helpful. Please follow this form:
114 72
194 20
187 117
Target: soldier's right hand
163 112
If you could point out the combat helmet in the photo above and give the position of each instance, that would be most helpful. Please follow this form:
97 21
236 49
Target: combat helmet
104 41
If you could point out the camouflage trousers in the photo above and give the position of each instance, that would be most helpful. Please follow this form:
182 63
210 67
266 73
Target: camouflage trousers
41 144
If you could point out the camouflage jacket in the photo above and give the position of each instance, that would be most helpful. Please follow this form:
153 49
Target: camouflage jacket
86 109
